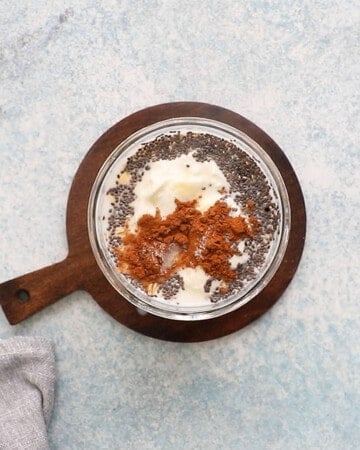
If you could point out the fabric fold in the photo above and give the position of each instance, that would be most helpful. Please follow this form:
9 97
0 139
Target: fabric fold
27 382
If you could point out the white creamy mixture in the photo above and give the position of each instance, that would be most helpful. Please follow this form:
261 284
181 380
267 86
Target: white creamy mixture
193 292
182 178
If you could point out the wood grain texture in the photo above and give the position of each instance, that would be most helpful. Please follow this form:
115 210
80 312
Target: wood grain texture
80 270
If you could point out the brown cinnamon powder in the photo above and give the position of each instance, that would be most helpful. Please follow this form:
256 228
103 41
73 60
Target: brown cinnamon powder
184 238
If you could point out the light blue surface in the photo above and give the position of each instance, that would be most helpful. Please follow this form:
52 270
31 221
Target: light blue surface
71 69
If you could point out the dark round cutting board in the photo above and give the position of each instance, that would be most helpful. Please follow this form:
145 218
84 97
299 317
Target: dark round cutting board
27 294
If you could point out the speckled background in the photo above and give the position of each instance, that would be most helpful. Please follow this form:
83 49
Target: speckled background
68 71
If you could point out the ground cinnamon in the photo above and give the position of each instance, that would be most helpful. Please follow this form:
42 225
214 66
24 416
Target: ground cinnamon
185 238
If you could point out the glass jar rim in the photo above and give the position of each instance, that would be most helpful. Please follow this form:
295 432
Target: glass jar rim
244 143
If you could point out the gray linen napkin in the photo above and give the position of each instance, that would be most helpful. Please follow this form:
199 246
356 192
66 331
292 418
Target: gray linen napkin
27 379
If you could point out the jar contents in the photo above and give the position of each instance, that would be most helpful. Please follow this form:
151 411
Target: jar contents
191 220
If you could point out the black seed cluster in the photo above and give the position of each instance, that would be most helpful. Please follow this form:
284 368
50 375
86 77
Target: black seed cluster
123 196
247 184
171 287
207 285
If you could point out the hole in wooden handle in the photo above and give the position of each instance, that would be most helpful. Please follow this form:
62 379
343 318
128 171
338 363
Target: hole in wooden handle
23 295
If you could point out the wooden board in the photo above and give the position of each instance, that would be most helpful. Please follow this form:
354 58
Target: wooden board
27 294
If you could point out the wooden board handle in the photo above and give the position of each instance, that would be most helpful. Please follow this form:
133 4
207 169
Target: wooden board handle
23 296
